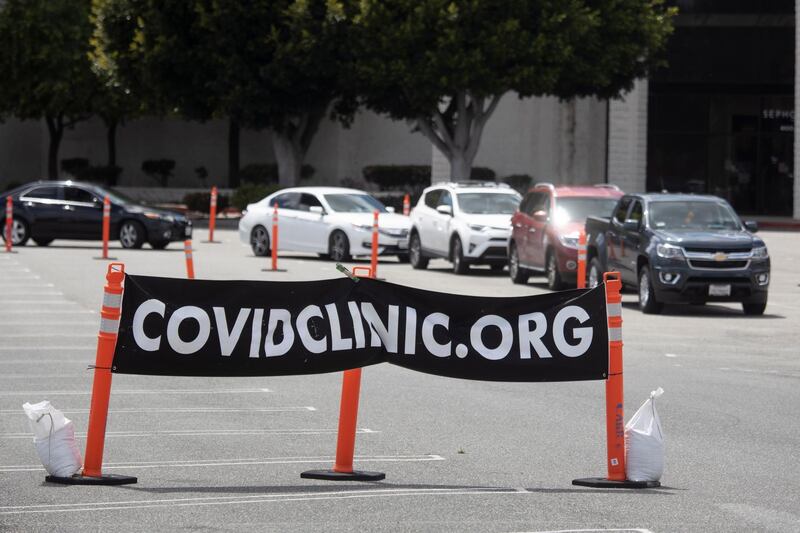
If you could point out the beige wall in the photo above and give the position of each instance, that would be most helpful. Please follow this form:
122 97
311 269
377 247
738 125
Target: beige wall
550 140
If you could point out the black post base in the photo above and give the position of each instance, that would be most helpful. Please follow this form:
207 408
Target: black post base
271 270
105 258
603 483
332 475
105 479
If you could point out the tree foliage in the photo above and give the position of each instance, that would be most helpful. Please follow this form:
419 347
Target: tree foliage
445 64
45 68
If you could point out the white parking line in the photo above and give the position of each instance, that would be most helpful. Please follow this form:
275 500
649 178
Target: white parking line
143 391
241 462
183 410
203 432
254 499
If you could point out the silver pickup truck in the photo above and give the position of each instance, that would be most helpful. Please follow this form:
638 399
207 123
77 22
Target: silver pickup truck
680 248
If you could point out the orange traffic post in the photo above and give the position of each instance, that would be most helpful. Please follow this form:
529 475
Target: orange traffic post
346 439
9 223
106 225
212 216
101 388
615 398
187 250
582 260
373 263
274 241
406 205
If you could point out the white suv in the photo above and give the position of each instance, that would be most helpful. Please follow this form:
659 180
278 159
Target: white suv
465 223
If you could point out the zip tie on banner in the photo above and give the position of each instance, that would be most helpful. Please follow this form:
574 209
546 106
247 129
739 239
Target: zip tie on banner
92 367
343 269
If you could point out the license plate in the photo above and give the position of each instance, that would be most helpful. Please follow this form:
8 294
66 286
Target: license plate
188 231
719 289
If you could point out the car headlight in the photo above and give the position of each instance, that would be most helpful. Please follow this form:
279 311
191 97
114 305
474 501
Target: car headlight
159 216
669 251
570 241
760 252
478 227
363 227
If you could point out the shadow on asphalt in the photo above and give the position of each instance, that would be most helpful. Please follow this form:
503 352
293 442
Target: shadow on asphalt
704 311
360 486
145 248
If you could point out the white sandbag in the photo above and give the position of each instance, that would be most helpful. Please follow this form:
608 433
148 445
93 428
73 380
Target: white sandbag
644 443
54 439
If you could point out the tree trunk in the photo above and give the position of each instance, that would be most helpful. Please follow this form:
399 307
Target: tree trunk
233 153
289 158
111 141
460 165
55 126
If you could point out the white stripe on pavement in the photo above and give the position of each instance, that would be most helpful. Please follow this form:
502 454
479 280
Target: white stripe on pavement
203 432
142 391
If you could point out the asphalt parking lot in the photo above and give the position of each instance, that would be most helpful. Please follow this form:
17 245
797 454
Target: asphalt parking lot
225 454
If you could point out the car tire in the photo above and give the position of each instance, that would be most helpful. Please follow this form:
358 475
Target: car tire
518 274
403 258
648 303
554 281
415 257
20 231
460 266
131 234
594 276
259 241
43 242
756 309
339 246
159 245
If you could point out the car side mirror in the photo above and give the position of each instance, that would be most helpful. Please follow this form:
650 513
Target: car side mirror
445 210
316 209
751 226
540 216
630 225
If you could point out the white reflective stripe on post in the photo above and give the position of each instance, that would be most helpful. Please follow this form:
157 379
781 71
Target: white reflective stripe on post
188 255
614 309
112 300
614 334
109 325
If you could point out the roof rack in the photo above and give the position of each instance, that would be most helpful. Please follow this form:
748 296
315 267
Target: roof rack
545 184
478 183
607 186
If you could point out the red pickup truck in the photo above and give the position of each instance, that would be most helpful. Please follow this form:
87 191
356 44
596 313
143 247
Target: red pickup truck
545 229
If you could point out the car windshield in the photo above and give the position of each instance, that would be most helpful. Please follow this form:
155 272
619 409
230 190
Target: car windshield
115 196
354 203
576 209
693 215
486 203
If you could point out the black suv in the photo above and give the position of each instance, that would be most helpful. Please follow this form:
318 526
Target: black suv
48 210
680 248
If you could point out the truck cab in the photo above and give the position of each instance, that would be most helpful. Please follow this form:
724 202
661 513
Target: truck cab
680 248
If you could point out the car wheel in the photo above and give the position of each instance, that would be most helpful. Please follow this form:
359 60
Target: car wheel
339 246
554 281
595 275
159 245
457 257
647 296
259 241
43 242
20 233
754 309
403 258
418 261
518 274
131 234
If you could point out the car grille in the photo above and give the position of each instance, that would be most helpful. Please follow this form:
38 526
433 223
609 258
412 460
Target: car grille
715 250
717 265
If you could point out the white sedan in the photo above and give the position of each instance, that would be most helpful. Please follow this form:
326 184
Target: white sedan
329 221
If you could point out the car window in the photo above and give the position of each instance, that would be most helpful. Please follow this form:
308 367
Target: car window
47 193
75 194
694 215
622 210
636 212
287 200
445 199
541 203
354 203
307 201
432 198
477 203
523 205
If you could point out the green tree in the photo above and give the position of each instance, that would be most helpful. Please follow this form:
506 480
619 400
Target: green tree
263 64
445 64
45 68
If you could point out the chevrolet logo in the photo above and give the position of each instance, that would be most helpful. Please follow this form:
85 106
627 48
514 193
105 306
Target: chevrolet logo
720 256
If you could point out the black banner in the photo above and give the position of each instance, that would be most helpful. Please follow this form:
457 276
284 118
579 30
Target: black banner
249 328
